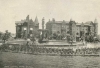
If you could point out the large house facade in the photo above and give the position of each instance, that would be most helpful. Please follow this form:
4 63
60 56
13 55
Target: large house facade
72 29
27 27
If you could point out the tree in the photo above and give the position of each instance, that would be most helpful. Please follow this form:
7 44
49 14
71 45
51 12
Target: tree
1 34
54 35
6 36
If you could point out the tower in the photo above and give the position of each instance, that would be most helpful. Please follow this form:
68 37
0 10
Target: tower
27 20
72 30
95 21
36 21
70 26
53 20
43 22
95 27
71 19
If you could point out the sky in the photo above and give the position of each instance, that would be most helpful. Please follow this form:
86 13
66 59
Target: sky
78 10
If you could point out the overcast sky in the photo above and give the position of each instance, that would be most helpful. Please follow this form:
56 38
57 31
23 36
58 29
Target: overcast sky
78 10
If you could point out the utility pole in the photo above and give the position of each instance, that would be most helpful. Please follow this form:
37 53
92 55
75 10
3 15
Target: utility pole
27 19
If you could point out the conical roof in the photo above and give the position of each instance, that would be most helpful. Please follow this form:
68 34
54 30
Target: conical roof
27 18
95 21
36 20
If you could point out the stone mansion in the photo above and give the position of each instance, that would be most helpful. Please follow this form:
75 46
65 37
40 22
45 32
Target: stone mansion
72 28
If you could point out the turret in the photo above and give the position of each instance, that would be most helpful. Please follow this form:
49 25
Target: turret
27 18
71 19
95 27
53 20
36 20
95 21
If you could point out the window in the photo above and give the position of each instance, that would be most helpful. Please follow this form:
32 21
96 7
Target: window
25 28
31 28
68 32
77 33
